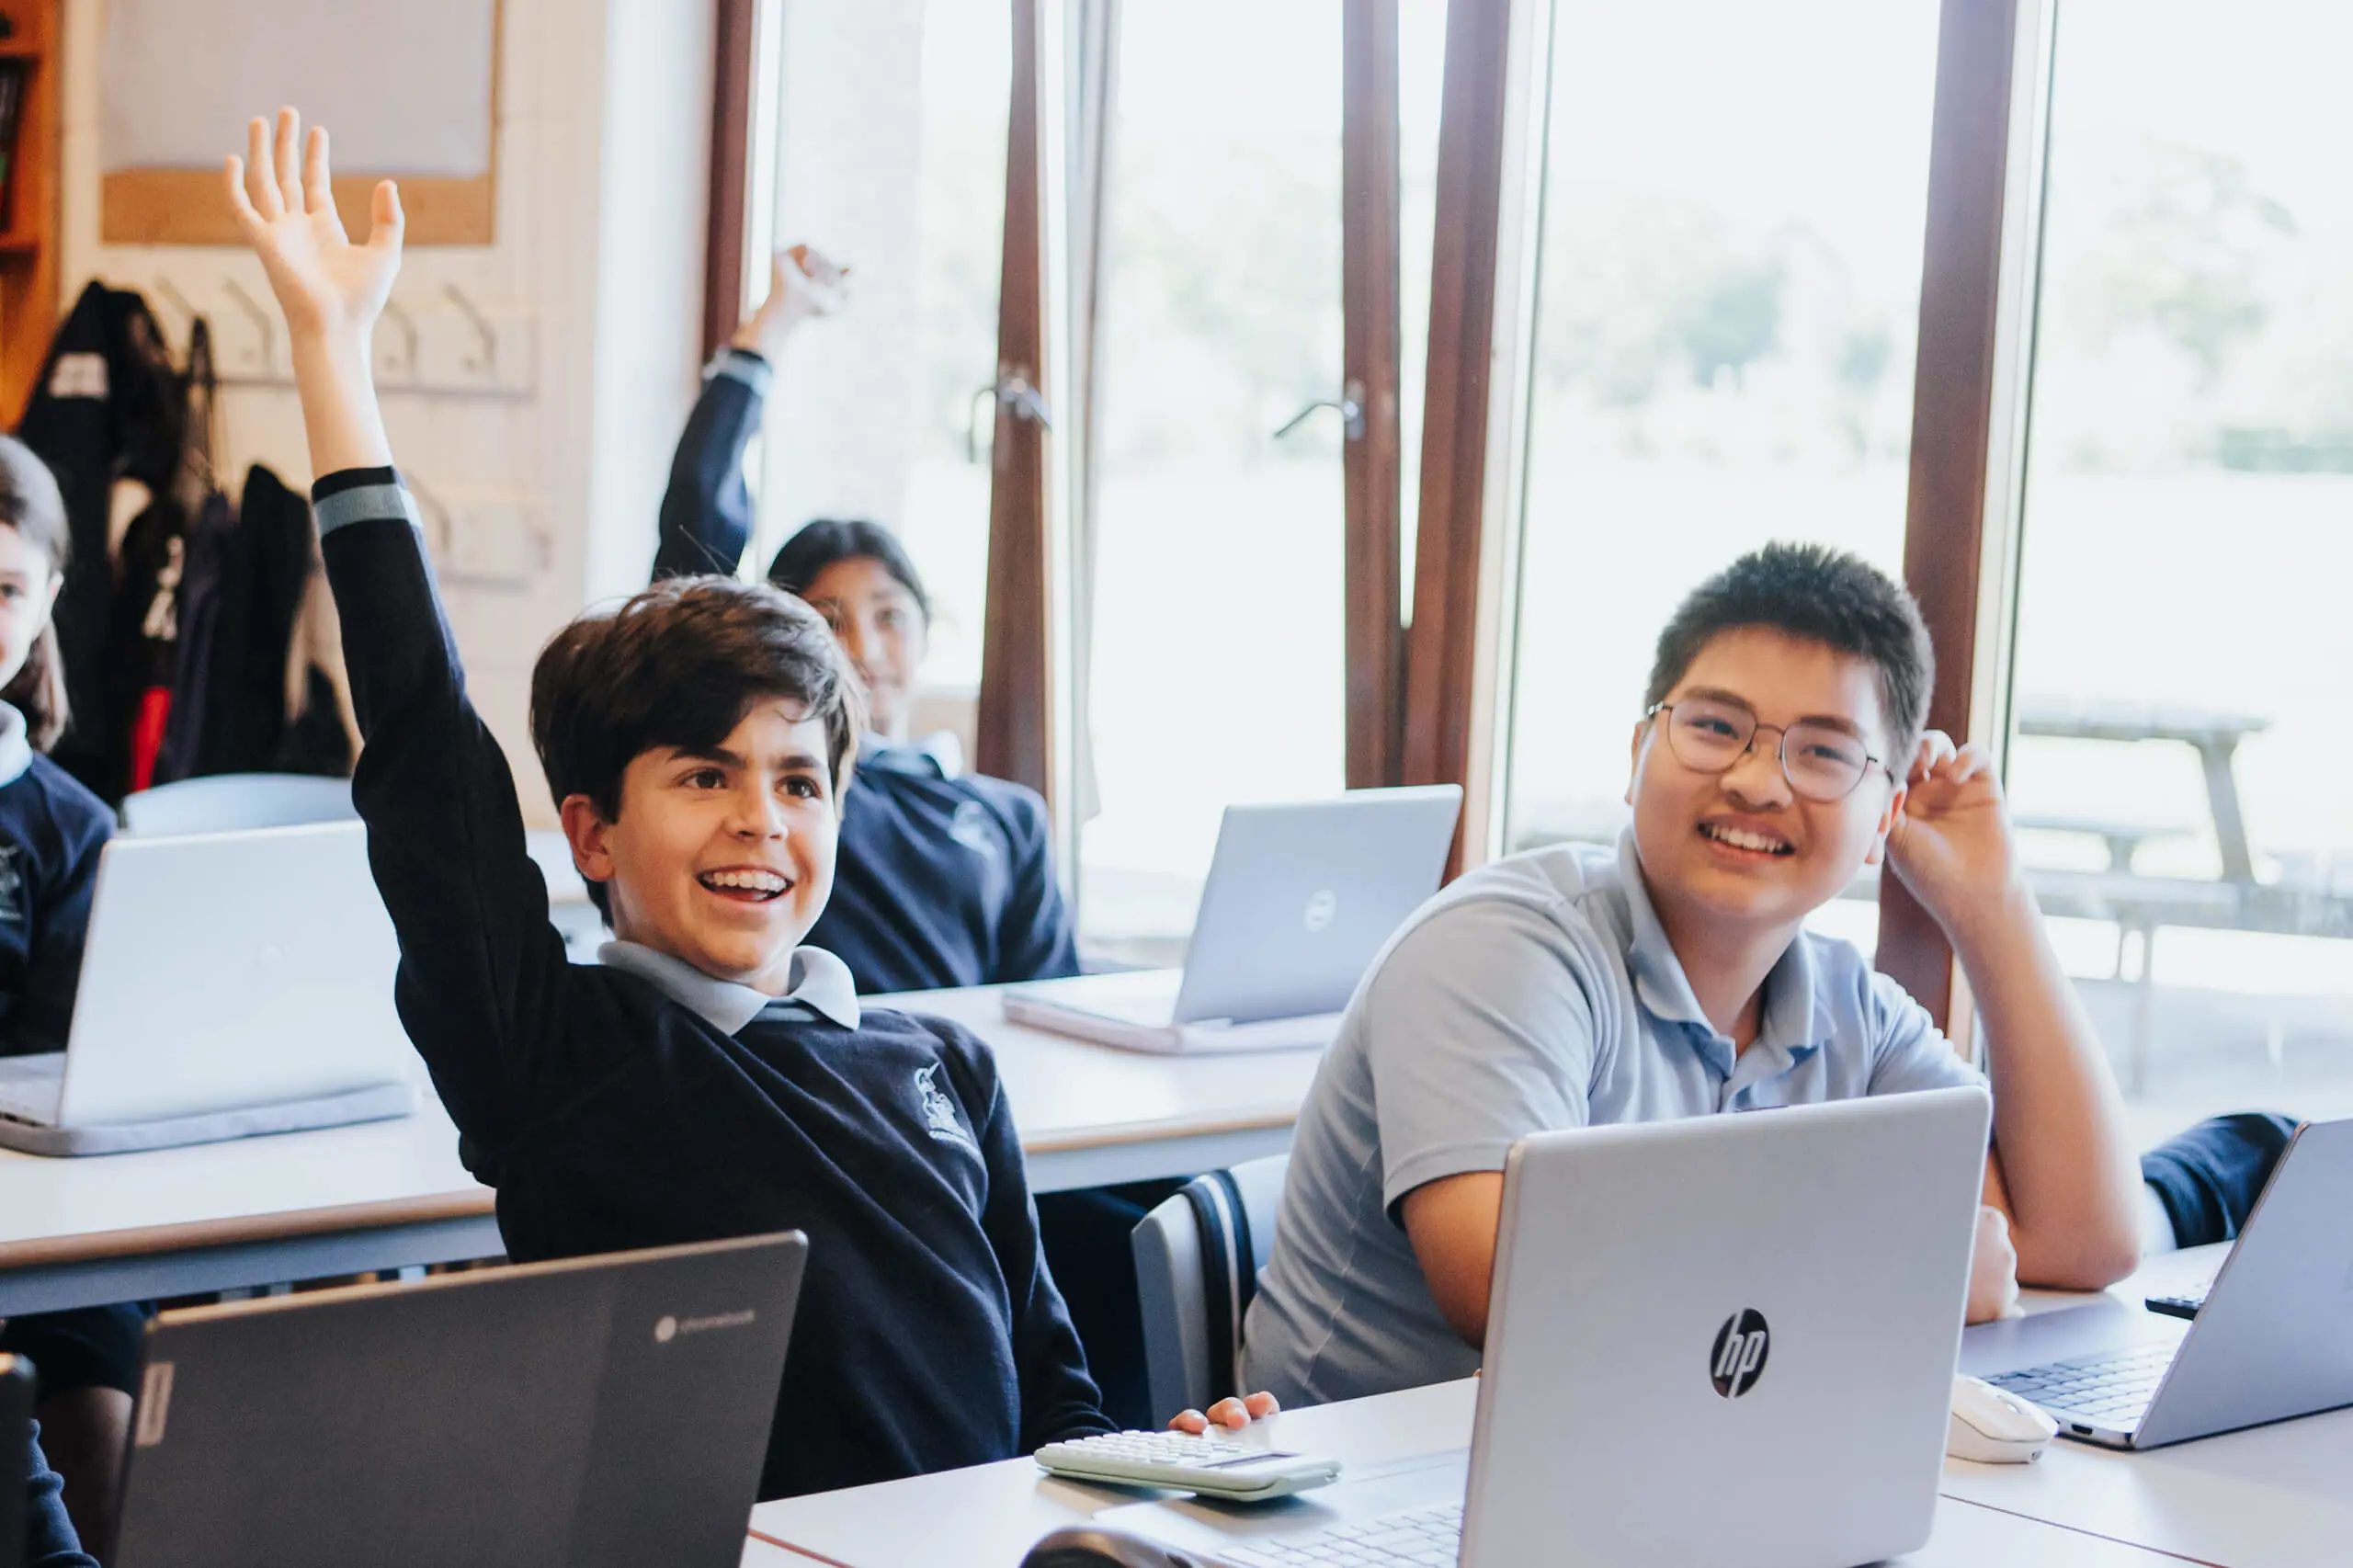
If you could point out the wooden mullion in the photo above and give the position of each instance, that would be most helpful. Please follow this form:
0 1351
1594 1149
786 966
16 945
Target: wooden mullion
1371 463
731 135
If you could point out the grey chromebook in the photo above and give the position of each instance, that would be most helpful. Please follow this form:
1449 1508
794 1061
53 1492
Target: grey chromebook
595 1413
1299 898
2273 1340
1723 1339
232 984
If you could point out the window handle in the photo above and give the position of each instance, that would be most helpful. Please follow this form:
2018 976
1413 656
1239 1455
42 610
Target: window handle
1350 404
1012 393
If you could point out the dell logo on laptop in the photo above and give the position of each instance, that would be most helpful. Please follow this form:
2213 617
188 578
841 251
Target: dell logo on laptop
1738 1359
1320 910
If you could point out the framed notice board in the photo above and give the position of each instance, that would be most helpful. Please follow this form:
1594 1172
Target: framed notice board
409 90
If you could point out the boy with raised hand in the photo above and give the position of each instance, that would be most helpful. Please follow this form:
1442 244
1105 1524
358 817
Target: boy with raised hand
711 1076
1779 751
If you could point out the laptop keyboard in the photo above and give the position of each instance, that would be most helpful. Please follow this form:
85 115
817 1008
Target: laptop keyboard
31 1087
1426 1538
2110 1390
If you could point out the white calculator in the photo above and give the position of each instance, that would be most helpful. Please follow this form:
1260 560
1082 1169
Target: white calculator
1211 1466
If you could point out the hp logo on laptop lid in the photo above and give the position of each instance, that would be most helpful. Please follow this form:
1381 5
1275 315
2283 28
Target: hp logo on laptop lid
1738 1359
1320 910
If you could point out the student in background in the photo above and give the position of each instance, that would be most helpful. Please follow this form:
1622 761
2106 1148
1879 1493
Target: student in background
49 1538
712 1076
946 879
1780 750
51 830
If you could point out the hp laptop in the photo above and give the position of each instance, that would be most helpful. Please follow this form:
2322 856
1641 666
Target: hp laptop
232 983
1298 900
575 1415
2269 1344
1725 1339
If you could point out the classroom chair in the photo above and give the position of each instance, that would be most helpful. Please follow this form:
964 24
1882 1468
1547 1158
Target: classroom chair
227 803
1198 1257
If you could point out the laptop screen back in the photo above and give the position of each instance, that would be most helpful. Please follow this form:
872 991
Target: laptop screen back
1301 897
607 1410
1728 1338
233 969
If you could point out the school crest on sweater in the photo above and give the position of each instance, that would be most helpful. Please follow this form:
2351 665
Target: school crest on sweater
939 1117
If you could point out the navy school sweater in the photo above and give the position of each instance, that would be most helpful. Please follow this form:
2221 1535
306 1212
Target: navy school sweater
609 1114
940 881
51 830
48 1535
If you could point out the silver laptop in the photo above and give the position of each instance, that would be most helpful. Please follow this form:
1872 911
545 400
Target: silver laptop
243 974
1299 898
1697 1328
599 1411
2269 1343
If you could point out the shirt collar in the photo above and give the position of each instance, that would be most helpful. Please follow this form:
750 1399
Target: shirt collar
1790 1022
820 984
15 749
939 755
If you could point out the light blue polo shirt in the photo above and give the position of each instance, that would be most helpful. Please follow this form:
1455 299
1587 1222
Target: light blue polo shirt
1535 993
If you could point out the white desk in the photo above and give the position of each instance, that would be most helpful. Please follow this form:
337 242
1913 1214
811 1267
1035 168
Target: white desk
1092 1115
2279 1494
388 1194
989 1515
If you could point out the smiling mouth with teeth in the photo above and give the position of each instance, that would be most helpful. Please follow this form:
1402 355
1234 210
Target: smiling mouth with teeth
753 887
1741 839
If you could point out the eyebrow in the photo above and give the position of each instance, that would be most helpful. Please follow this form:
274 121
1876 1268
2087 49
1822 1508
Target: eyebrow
1831 721
798 761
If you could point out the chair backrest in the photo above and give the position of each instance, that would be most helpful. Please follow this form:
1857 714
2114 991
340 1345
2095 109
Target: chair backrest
230 803
1198 1257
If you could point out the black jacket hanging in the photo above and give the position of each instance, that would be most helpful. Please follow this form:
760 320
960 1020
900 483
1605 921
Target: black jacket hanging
107 406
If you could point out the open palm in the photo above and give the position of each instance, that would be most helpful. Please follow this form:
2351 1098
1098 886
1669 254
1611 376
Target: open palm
284 201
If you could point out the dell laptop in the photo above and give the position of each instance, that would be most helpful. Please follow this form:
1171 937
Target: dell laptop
596 1413
1298 900
2268 1343
1722 1339
232 984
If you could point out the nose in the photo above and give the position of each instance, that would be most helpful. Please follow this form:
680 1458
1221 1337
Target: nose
1755 779
755 813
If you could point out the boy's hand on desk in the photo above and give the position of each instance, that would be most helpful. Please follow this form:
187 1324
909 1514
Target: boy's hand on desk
282 195
1951 843
1231 1414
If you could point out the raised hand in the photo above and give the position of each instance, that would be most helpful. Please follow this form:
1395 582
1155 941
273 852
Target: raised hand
330 289
283 200
804 283
1951 843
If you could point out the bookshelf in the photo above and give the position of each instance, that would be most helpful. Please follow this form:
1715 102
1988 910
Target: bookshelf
29 240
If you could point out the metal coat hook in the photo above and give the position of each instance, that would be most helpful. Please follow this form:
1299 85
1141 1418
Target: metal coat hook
177 301
407 323
484 331
440 530
263 323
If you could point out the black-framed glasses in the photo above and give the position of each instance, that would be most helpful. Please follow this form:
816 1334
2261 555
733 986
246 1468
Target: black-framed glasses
1821 761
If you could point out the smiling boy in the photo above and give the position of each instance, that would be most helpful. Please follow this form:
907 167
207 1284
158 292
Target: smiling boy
1779 752
712 1076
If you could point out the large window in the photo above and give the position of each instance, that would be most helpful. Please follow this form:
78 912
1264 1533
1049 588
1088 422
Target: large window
2183 734
1217 525
1728 294
889 151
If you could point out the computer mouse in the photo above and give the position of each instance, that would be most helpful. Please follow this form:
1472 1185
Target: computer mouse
1995 1426
1086 1547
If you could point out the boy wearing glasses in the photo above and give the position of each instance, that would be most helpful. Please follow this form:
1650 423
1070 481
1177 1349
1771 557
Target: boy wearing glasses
1780 750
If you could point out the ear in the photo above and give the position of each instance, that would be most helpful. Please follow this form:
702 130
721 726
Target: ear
1887 820
586 829
1634 772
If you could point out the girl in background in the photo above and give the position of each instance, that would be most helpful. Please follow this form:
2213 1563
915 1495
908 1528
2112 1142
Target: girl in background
50 831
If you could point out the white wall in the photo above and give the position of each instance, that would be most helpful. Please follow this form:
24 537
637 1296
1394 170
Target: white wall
594 289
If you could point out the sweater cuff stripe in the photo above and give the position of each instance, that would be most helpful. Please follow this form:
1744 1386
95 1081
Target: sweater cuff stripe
739 365
363 503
